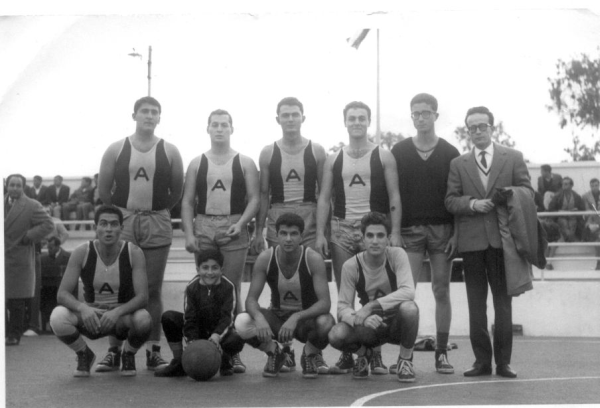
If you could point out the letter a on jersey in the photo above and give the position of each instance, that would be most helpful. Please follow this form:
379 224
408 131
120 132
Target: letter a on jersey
141 173
219 184
292 175
356 180
290 296
106 287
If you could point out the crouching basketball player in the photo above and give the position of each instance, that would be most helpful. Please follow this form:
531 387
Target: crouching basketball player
115 291
381 278
299 301
209 311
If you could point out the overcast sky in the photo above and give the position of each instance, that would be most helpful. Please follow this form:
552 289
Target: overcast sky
67 84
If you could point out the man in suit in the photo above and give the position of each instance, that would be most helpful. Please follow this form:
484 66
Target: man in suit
549 183
591 232
54 264
473 180
25 223
57 195
80 201
38 191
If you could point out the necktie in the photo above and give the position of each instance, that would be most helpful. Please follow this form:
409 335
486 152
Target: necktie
483 160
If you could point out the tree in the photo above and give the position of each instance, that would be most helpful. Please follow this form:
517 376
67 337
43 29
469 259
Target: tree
387 141
575 97
498 136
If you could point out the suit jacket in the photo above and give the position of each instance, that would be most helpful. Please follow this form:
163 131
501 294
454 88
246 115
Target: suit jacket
28 218
477 231
555 184
63 194
588 200
557 201
53 268
41 196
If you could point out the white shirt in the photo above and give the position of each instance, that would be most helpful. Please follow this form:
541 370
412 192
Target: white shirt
484 172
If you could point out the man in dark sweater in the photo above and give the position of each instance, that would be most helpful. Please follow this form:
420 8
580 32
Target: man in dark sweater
427 227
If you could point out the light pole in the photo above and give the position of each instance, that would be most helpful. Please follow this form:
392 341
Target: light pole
137 54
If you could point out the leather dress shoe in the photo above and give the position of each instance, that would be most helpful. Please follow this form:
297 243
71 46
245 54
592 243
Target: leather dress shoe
504 370
477 370
11 341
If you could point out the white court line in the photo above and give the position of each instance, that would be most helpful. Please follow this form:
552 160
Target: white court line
361 401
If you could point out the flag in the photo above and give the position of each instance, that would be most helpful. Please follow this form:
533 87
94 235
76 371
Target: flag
358 38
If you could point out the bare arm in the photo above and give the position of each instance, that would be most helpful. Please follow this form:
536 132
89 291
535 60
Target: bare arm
258 242
187 206
176 186
106 175
259 278
390 172
251 180
321 157
323 206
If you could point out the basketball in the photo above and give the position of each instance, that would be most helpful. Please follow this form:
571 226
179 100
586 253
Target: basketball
201 360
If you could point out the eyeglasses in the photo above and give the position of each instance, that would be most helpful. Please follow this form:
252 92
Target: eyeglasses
423 114
482 127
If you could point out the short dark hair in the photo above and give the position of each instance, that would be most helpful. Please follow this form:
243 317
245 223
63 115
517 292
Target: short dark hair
425 98
594 180
357 105
290 101
209 254
89 180
546 167
149 100
570 179
480 109
23 179
59 176
375 218
37 178
289 220
220 112
55 240
108 209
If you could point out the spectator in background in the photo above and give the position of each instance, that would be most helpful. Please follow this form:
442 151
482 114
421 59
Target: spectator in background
54 264
591 232
548 184
80 202
568 200
95 193
57 195
25 223
38 191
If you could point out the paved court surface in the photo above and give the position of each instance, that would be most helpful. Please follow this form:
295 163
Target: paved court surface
550 371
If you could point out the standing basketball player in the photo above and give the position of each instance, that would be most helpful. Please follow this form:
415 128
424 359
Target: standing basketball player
361 178
147 173
222 186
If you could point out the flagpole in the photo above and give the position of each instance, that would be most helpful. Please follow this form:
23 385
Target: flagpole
149 68
378 119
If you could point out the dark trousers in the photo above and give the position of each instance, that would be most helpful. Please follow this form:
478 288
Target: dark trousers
15 317
483 268
172 324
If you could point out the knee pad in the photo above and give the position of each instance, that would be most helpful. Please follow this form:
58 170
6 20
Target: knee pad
63 321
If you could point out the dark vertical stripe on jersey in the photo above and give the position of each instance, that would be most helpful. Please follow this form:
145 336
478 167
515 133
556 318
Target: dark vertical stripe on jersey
237 204
121 194
275 179
361 288
379 200
87 274
339 195
126 292
273 280
162 179
310 175
201 185
391 276
307 288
